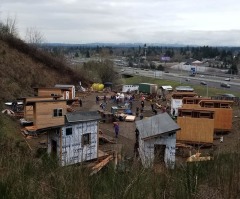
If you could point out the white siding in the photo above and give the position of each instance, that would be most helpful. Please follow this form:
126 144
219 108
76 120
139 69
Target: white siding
175 104
73 151
130 88
146 149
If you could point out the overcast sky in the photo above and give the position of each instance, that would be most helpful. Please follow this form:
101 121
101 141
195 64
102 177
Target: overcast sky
202 22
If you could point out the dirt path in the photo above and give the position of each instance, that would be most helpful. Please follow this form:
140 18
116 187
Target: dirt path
126 138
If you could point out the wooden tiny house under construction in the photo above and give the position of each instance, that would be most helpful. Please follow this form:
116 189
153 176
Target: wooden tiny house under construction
197 125
69 92
28 103
223 113
192 102
176 100
45 112
51 92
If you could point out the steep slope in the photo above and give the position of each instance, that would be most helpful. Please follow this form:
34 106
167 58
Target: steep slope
23 67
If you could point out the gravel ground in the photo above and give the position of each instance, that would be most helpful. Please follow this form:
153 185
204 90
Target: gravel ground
125 141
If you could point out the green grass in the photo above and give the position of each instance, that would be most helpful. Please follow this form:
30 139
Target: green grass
199 89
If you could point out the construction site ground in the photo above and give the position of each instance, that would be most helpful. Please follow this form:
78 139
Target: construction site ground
124 144
125 141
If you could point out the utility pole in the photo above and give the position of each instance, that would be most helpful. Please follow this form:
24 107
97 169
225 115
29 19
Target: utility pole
207 90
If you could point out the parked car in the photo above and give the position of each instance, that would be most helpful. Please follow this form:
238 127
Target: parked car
203 83
225 85
166 71
227 79
122 70
202 76
187 80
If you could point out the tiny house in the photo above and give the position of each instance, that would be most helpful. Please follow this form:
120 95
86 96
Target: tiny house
148 88
197 125
157 140
69 93
223 113
77 140
52 92
177 98
192 102
45 112
28 104
130 88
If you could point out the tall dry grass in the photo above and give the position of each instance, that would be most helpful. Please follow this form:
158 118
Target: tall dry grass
22 175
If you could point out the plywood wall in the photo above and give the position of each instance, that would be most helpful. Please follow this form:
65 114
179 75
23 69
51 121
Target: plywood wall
28 113
49 91
44 114
196 130
223 119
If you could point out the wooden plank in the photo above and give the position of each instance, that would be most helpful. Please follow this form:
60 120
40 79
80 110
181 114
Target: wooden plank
100 165
130 118
197 158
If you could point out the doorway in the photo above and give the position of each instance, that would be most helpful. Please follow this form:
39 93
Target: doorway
54 147
159 153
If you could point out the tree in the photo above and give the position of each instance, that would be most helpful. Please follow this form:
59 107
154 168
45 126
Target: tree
100 71
9 27
87 54
106 71
76 54
33 36
160 67
233 70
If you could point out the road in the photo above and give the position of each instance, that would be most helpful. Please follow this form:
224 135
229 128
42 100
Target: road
212 81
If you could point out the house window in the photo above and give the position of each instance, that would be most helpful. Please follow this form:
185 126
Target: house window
57 112
68 131
86 138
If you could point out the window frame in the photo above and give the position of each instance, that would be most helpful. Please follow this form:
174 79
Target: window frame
69 133
57 112
88 137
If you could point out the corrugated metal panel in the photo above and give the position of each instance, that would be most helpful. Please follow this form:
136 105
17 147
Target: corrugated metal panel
63 86
82 116
169 88
184 88
156 125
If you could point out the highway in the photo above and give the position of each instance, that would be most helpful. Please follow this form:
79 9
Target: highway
211 81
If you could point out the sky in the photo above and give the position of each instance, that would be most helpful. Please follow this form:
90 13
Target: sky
188 22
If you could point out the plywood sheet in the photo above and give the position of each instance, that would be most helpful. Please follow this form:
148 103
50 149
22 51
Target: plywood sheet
130 118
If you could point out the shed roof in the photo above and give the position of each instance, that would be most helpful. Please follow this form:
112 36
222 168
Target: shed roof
156 125
82 116
169 88
184 88
197 62
51 88
63 86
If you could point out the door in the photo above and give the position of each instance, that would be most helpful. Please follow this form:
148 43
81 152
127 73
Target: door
67 94
159 153
54 148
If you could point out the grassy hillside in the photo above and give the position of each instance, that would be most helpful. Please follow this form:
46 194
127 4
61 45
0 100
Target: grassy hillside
23 67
